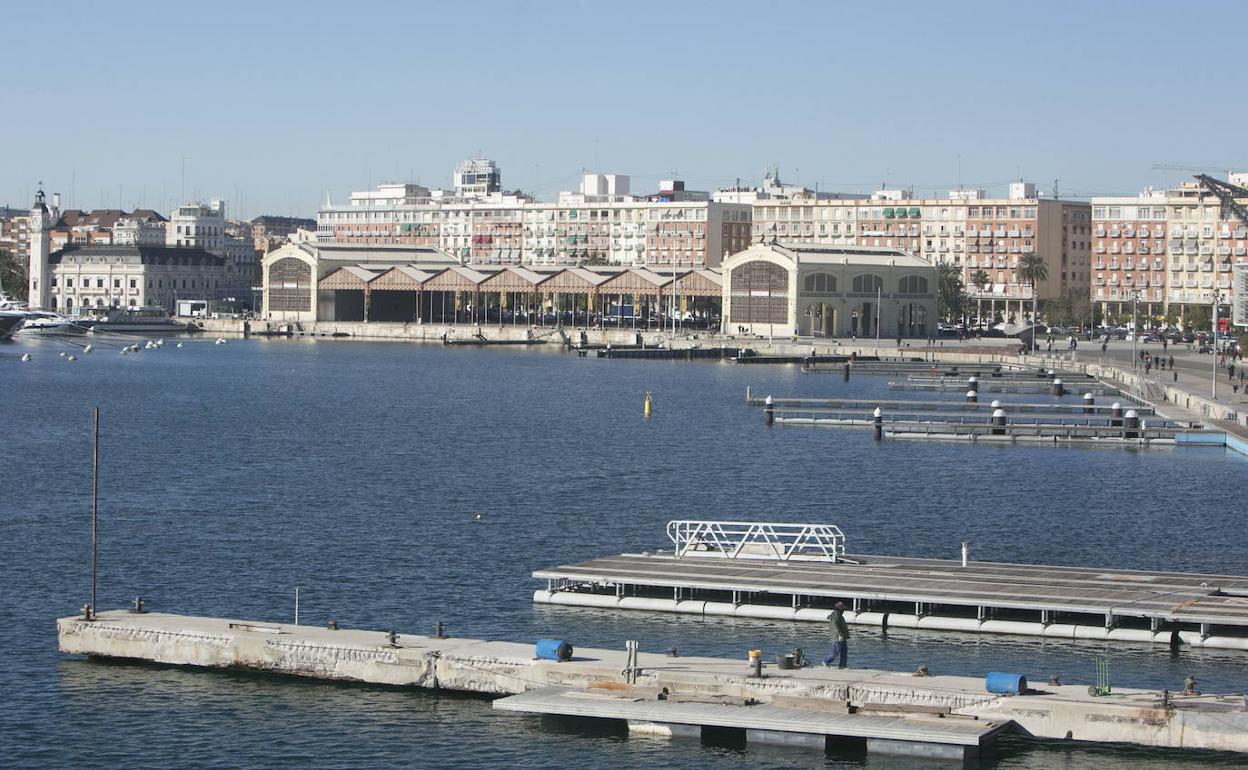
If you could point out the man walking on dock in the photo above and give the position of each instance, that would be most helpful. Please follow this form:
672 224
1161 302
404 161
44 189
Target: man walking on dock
840 637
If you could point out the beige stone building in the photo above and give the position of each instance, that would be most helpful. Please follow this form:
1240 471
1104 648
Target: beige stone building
830 291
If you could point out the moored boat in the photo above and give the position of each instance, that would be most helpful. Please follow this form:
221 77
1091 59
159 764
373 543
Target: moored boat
134 320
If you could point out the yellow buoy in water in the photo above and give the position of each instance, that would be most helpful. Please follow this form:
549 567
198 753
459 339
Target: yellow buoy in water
648 404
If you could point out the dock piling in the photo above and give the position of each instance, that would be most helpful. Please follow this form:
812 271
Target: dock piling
878 421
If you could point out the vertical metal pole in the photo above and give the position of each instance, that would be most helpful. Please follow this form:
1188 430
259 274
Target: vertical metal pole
879 295
1215 342
296 605
95 501
1134 329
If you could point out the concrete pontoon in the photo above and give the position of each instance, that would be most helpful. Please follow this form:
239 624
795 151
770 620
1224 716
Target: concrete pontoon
797 572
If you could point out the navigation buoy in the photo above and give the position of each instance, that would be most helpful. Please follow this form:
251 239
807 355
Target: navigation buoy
219 341
648 404
62 354
88 349
71 358
178 345
25 356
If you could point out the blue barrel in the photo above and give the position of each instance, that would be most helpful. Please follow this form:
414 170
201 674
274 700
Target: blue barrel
1005 684
553 649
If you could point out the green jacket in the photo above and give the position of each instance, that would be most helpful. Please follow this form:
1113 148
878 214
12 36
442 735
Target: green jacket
840 629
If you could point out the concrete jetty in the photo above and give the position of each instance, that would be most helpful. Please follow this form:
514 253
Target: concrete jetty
893 712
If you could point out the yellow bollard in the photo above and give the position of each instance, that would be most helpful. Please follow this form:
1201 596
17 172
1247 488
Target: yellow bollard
647 407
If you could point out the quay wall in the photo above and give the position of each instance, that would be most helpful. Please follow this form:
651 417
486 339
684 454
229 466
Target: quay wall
500 668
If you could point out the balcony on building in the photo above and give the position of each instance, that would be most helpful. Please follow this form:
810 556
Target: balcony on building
1114 232
1099 232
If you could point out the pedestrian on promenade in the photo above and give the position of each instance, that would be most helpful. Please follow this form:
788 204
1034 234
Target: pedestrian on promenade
1231 370
1104 346
1172 363
840 637
1148 367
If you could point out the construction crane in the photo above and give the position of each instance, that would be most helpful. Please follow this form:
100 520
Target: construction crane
1226 193
1193 169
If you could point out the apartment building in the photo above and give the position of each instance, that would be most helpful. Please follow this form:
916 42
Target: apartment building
602 223
1166 251
197 226
1129 254
967 229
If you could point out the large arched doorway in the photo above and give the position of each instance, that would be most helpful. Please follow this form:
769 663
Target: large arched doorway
759 294
290 286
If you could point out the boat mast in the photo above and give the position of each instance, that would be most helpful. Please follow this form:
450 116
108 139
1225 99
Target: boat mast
95 501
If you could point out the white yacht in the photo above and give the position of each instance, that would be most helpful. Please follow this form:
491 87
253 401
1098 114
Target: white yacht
35 321
10 322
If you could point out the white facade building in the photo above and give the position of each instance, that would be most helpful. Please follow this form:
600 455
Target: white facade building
135 231
197 226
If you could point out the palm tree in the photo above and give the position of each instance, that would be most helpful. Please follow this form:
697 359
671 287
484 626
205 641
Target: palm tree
1032 269
981 280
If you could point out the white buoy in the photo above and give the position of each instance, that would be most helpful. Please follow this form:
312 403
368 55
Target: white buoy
71 358
87 349
25 356
219 341
160 343
62 354
179 345
477 517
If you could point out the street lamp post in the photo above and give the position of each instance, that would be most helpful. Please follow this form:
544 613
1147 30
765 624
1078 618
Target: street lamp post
1135 333
1215 344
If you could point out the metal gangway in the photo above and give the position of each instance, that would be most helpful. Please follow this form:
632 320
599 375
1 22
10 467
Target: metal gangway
757 540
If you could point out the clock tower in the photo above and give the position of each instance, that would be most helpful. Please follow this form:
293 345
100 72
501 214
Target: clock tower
42 219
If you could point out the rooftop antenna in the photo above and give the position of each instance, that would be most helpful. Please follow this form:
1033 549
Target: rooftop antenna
1055 189
183 191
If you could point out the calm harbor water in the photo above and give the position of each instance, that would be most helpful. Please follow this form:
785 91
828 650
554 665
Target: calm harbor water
233 473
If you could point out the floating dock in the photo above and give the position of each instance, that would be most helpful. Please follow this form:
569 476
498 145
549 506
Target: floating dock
797 572
889 406
893 713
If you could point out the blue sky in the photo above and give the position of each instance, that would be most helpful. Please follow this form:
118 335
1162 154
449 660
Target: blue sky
269 105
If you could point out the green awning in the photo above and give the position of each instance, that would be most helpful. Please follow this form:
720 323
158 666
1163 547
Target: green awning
915 213
901 212
888 212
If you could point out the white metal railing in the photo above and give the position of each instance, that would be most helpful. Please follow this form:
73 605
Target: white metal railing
757 540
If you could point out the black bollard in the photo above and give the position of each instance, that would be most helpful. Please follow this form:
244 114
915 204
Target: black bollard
845 375
972 397
769 415
1057 388
879 423
1089 401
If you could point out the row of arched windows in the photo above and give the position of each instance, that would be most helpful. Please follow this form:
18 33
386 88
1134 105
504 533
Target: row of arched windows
866 283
